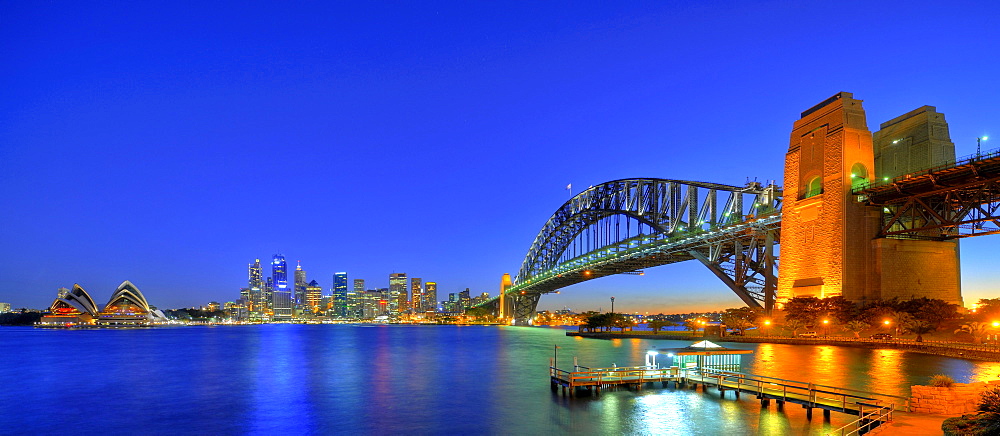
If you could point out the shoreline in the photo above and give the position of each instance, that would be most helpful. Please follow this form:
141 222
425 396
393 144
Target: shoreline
988 353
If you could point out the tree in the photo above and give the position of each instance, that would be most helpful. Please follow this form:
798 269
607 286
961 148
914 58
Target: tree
804 309
856 327
659 324
841 309
794 325
986 309
936 312
478 313
976 329
741 318
693 325
877 311
919 327
900 320
622 322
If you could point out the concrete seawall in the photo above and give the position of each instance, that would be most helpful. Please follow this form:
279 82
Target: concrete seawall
949 349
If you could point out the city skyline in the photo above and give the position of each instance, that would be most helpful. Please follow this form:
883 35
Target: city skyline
161 147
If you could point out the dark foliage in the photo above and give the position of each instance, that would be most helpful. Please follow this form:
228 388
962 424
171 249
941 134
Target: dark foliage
20 318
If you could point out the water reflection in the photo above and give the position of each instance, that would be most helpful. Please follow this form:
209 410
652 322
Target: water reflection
406 379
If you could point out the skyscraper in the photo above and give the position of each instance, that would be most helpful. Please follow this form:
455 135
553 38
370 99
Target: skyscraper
281 295
253 297
359 286
430 296
313 295
256 277
300 285
464 299
340 294
397 293
416 295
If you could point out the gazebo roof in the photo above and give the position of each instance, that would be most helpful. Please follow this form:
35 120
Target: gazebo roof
703 348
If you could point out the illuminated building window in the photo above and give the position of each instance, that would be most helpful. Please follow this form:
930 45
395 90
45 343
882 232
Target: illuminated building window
814 187
859 175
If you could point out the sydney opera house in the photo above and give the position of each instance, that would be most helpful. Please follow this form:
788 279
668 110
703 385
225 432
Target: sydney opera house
126 308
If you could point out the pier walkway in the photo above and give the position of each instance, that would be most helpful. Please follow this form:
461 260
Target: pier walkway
872 408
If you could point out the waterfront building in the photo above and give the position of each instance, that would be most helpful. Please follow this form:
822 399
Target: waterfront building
416 294
313 295
430 297
74 307
236 310
482 298
397 293
300 285
281 294
126 308
340 294
254 297
267 295
464 300
4 307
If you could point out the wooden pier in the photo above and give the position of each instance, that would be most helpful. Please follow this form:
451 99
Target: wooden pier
871 408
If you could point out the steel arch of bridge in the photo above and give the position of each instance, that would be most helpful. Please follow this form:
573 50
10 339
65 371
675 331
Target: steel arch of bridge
623 226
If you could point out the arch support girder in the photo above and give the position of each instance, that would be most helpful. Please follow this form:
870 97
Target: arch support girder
740 290
747 265
524 307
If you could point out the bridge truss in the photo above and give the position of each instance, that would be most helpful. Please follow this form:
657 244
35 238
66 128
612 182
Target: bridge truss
624 226
952 201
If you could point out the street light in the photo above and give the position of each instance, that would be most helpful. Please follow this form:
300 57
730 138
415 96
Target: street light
767 327
826 327
979 143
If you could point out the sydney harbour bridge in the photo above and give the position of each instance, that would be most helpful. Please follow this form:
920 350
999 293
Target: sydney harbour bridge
625 226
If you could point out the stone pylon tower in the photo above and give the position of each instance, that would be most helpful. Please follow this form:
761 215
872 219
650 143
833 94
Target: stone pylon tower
910 268
826 236
506 305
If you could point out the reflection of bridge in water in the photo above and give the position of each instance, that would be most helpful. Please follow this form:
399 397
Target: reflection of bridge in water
839 210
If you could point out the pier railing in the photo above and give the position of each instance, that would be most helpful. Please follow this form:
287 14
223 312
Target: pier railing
868 422
810 394
585 376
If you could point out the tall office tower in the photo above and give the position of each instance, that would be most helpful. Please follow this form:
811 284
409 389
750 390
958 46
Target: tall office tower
281 294
254 296
340 294
300 285
368 305
397 293
256 278
383 301
464 299
313 295
430 296
913 268
359 286
267 296
451 304
416 295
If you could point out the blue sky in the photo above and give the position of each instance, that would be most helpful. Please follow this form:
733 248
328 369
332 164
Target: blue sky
172 143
